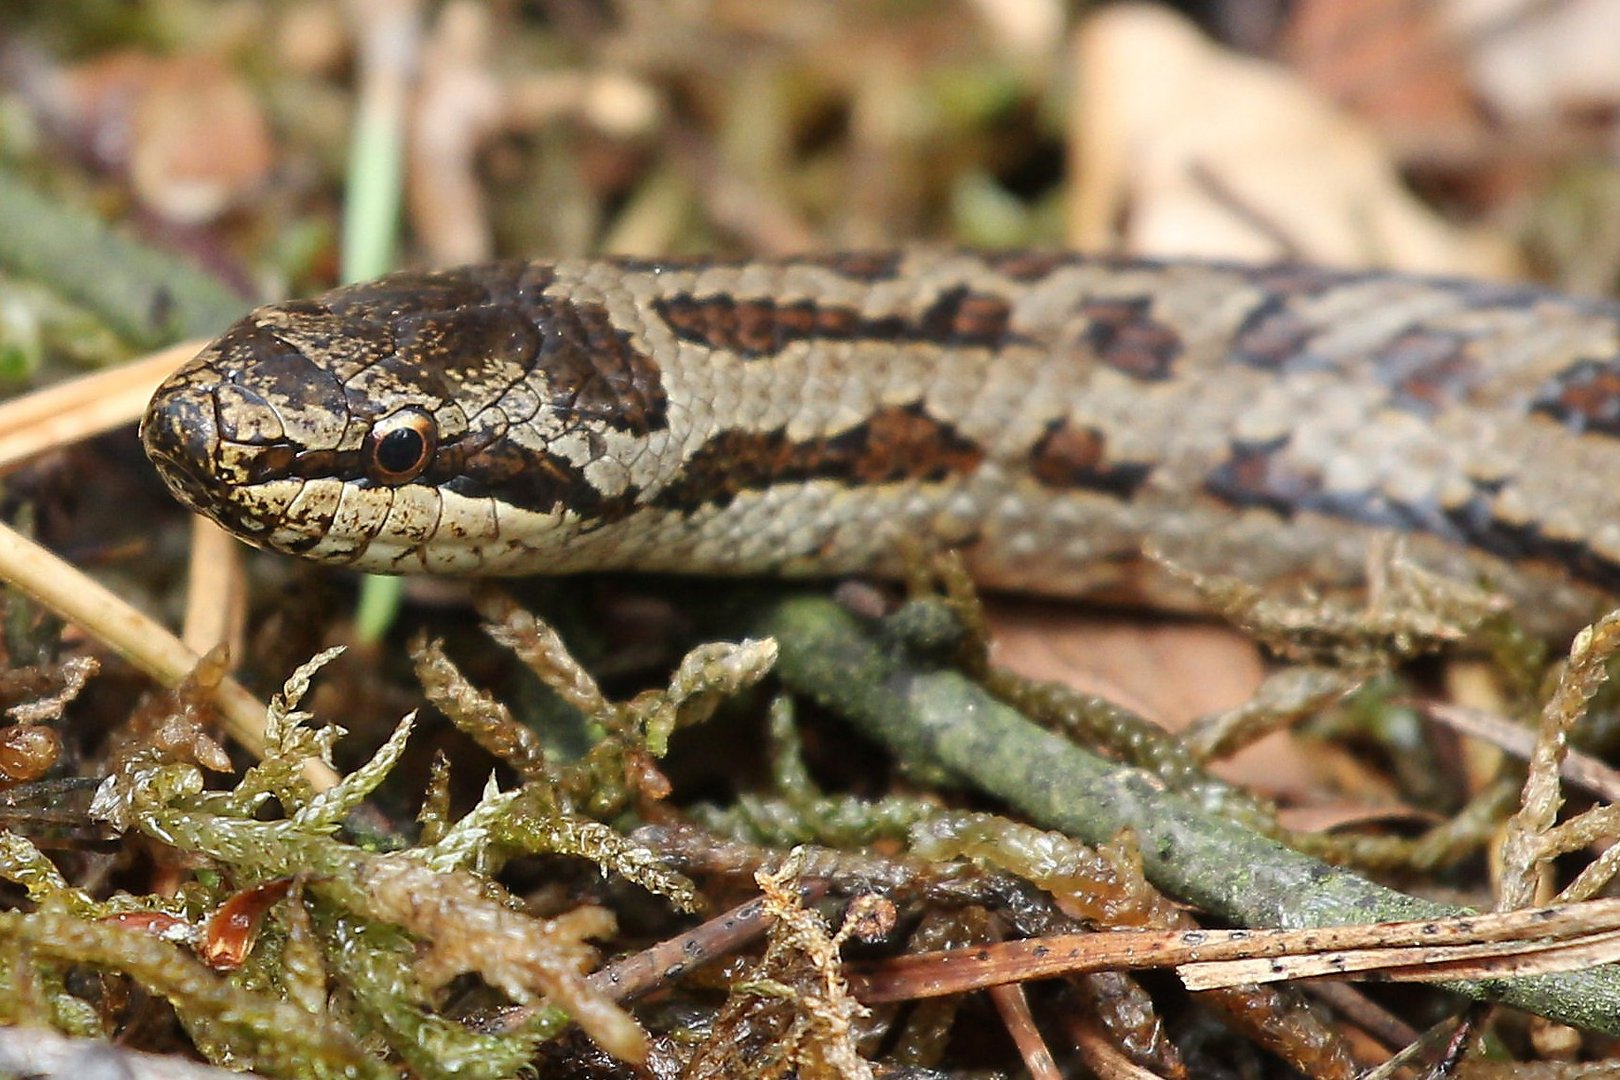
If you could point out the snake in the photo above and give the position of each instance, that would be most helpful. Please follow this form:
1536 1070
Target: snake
1072 424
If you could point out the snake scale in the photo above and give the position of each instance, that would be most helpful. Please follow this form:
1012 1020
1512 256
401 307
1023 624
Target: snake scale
1051 415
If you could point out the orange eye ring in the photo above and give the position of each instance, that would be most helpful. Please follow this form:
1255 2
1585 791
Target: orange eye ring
400 446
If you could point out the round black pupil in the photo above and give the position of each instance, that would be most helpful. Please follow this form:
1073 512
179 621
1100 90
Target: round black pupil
400 450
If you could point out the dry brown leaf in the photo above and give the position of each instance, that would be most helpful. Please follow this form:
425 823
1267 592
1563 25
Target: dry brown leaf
1343 815
1534 61
1395 63
186 129
1168 672
1185 149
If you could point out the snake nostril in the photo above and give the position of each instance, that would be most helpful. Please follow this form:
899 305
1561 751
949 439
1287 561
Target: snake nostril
179 432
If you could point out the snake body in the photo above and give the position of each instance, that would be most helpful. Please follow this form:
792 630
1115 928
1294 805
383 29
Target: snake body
1049 414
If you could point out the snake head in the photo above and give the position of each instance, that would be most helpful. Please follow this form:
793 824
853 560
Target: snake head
392 426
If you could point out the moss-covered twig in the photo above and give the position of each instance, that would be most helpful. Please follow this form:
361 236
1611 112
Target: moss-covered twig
937 717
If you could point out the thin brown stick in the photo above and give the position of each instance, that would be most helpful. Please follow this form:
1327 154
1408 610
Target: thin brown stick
1482 960
216 591
631 976
86 406
1099 1052
130 633
1015 1013
1580 769
1420 950
1366 1014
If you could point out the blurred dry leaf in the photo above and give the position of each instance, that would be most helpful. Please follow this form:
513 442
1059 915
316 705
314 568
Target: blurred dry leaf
1532 61
1346 814
186 129
1168 672
1023 27
456 110
311 39
1186 149
1395 63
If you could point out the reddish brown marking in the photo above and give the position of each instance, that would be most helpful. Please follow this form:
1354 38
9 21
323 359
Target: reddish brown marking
1426 370
1123 335
902 444
749 327
1070 456
1583 397
896 445
961 317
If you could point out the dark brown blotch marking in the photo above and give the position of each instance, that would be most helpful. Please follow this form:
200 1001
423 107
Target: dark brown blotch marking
1272 336
537 481
1585 396
1069 456
271 367
1029 266
1425 369
749 328
1260 474
963 317
868 267
897 445
1275 336
1123 335
1257 475
595 371
758 327
1428 370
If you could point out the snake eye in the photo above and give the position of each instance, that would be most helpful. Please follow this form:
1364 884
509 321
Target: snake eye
400 446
